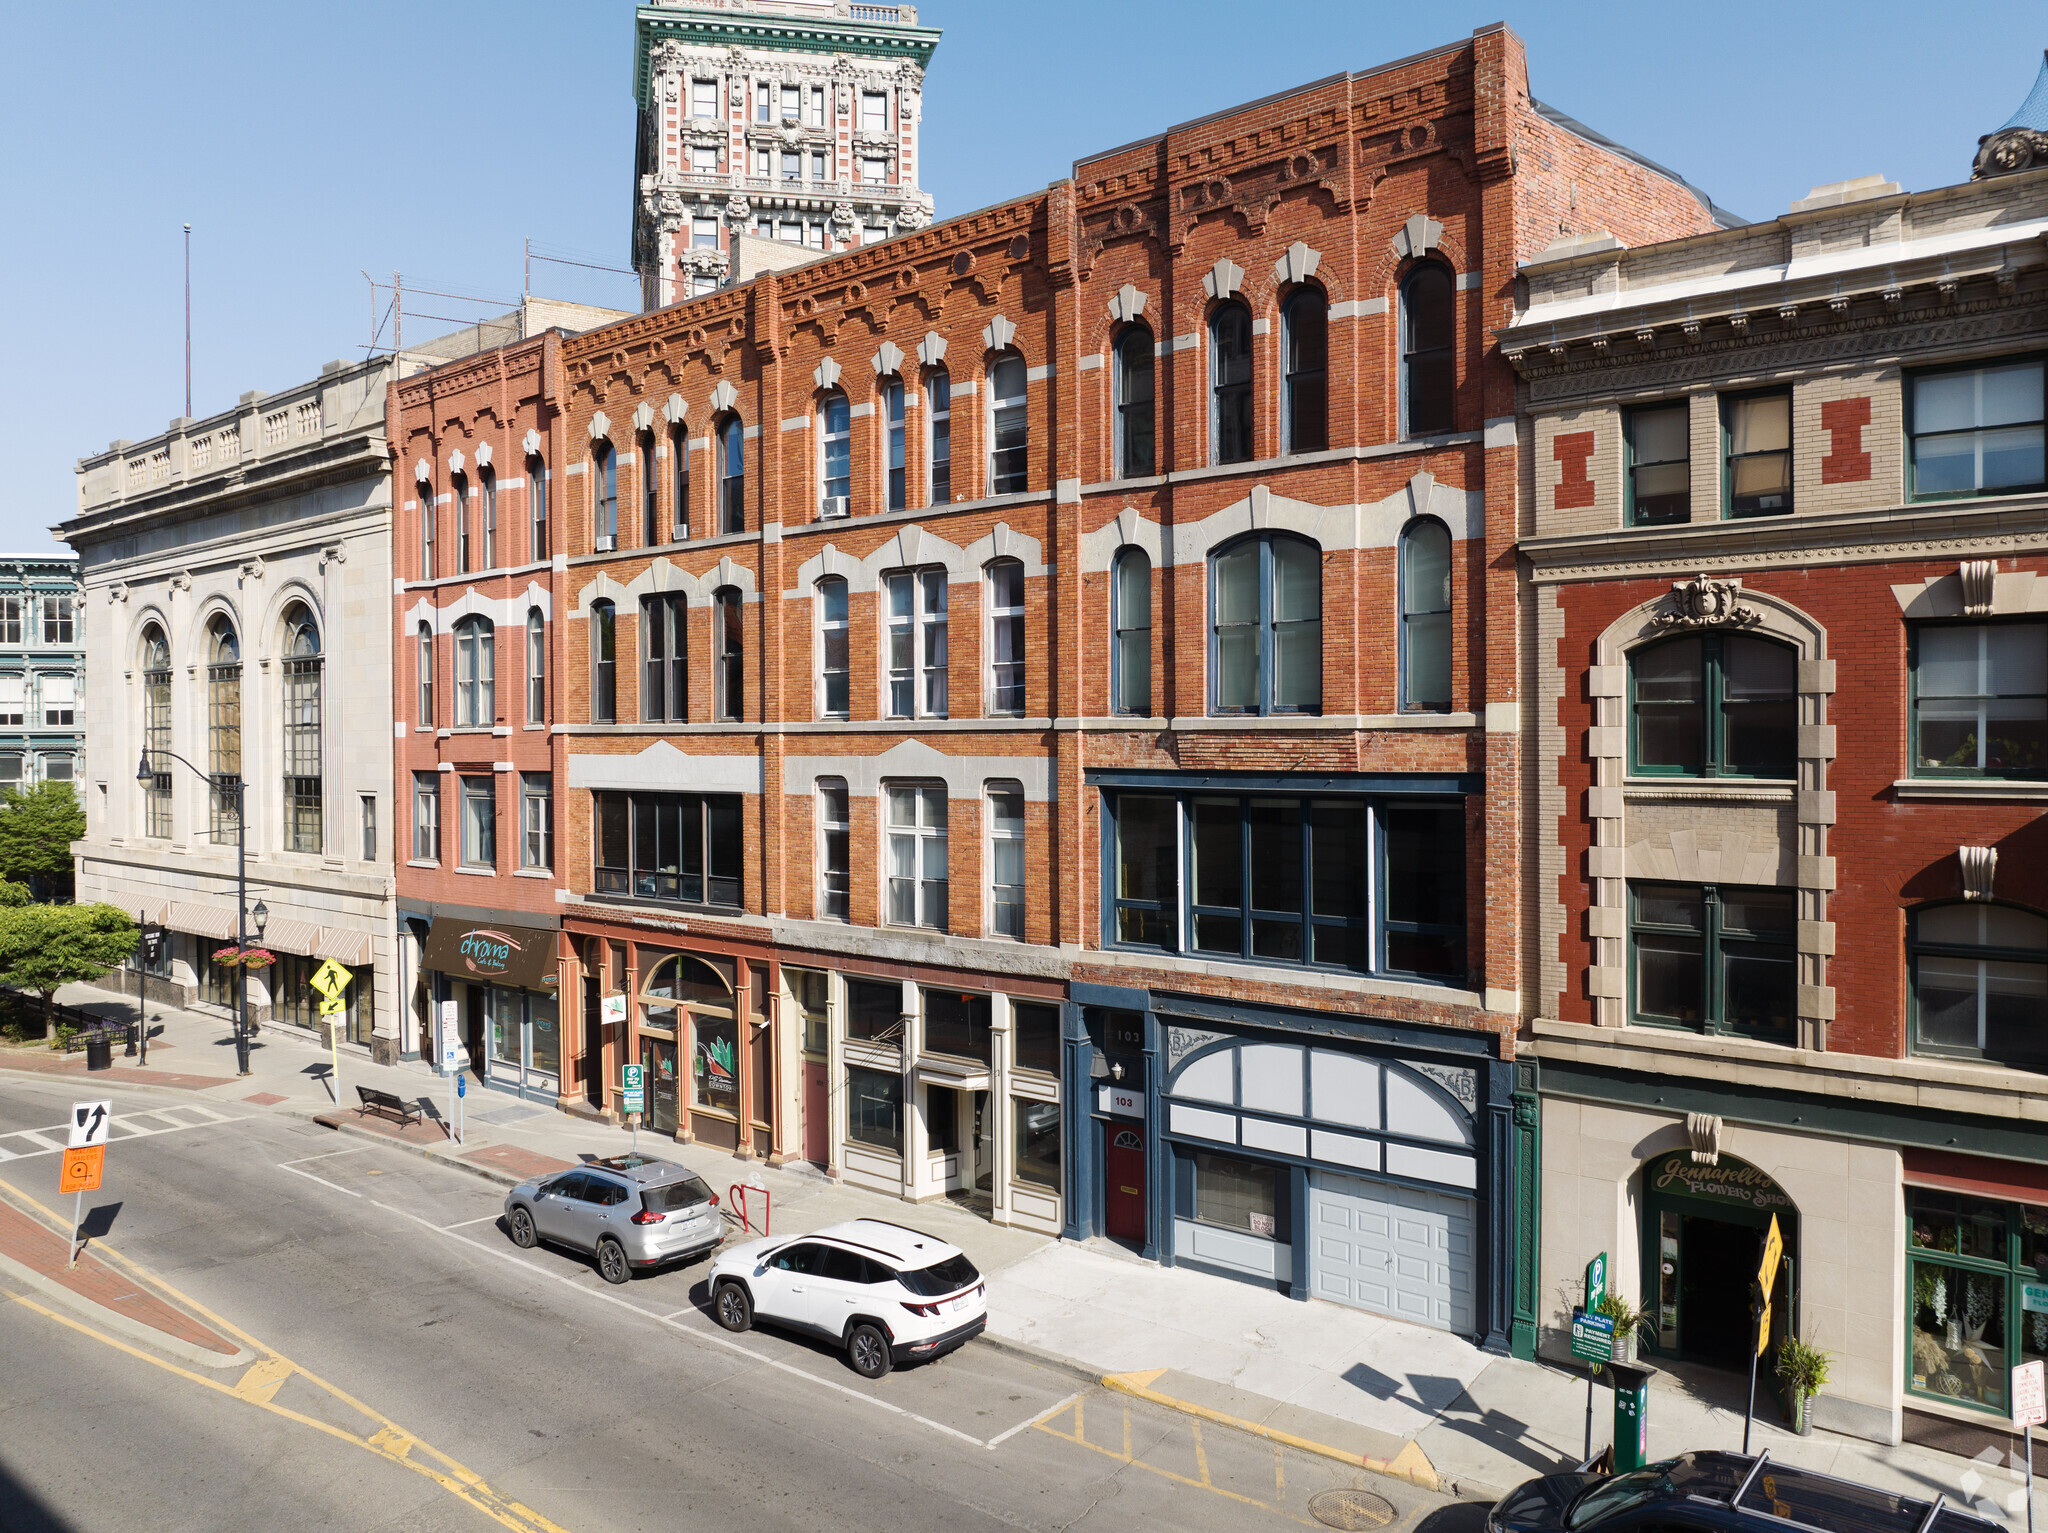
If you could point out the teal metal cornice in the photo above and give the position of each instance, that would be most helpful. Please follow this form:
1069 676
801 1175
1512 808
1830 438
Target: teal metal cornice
760 29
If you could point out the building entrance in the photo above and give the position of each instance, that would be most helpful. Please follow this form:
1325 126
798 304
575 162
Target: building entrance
1123 1183
1703 1234
1716 1264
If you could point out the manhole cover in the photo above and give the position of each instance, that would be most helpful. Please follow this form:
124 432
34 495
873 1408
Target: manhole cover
1353 1509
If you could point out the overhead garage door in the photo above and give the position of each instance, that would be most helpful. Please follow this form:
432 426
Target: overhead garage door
1396 1251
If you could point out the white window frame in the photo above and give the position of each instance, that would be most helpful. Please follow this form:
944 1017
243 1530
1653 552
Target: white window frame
476 673
992 416
426 817
827 626
835 884
536 667
923 839
537 821
874 111
699 105
827 440
1000 835
937 415
916 654
703 159
996 616
471 850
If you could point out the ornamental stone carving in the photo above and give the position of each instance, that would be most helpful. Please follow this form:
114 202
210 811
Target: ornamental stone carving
2014 149
1418 236
845 220
1980 578
931 351
643 418
676 411
600 427
455 461
1297 264
737 209
725 396
1127 305
826 375
1980 867
997 334
483 456
915 214
422 471
1705 603
530 443
1223 278
887 360
1703 1130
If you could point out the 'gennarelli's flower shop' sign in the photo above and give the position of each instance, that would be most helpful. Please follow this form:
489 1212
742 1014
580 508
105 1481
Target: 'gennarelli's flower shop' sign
1732 1181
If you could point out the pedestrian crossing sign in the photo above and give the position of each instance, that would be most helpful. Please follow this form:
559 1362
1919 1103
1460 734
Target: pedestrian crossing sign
330 979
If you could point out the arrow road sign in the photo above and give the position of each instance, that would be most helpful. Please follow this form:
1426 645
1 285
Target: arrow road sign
89 1123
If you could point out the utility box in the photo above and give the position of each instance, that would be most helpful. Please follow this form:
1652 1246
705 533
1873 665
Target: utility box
1631 1415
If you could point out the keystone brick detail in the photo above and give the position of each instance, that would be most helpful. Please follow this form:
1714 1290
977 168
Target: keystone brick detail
1843 420
1575 489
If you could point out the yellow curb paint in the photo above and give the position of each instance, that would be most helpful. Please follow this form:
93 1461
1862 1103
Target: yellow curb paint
264 1379
1410 1464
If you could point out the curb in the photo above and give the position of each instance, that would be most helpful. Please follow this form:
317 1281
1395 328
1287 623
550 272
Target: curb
127 1326
1042 1358
424 1152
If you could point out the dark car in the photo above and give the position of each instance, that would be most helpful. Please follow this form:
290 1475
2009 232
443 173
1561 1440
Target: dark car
1720 1493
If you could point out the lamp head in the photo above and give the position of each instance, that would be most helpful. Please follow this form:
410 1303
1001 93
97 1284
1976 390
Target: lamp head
142 771
261 916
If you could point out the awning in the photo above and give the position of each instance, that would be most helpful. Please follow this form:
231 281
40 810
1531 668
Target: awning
504 955
344 946
153 912
285 935
205 920
2016 1181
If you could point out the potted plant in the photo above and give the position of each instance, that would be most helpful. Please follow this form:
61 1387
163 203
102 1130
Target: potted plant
245 957
1629 1323
1802 1369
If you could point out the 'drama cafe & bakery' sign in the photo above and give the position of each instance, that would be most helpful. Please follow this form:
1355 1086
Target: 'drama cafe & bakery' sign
518 956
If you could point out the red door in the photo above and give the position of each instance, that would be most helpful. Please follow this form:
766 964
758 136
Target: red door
816 1148
1123 1171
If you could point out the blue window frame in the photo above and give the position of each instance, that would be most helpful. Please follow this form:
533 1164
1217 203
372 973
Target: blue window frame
1266 626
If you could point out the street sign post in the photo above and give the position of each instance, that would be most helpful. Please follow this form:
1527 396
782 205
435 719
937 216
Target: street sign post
331 979
2029 1410
633 1097
1596 1283
1593 1335
1760 1309
85 1155
453 1057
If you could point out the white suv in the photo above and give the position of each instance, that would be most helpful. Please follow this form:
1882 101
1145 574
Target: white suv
887 1294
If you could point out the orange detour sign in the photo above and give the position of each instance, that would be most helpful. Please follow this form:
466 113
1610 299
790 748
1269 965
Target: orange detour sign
82 1169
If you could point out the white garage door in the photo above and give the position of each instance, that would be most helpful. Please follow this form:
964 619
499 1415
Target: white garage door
1396 1251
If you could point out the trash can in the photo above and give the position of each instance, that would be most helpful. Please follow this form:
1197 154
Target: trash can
99 1051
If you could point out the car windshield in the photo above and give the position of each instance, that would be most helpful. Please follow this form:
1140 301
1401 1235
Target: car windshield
688 1192
948 1276
1714 1475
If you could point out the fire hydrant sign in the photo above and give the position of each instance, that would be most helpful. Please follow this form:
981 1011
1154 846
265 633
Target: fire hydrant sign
2029 1397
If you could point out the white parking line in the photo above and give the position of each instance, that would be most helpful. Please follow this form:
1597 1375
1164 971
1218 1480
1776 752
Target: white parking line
309 1176
354 1149
465 1224
1002 1437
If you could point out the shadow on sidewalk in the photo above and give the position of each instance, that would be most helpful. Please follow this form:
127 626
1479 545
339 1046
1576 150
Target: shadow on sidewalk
27 1512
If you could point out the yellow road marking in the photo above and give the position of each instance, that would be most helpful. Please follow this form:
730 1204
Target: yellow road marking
390 1441
1201 1453
1165 1474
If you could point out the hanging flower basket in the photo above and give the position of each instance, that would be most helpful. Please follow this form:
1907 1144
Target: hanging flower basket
244 957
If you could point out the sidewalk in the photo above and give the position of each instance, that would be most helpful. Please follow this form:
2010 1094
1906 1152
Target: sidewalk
1394 1397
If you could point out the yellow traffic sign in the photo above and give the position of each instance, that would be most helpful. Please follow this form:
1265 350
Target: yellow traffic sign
330 979
1763 1328
333 1005
1774 1251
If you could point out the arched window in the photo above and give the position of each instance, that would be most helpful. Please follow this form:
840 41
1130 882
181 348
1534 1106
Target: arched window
679 448
835 455
833 668
423 664
650 496
463 561
537 506
536 667
893 402
729 673
1230 384
1428 370
604 663
1266 606
1006 637
1305 402
732 475
1426 617
476 671
664 652
1715 705
487 518
1980 983
426 494
938 477
156 730
1130 677
303 680
224 725
1009 427
604 481
1135 458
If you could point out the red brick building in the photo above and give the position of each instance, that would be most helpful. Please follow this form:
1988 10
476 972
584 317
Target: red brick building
1786 687
1029 689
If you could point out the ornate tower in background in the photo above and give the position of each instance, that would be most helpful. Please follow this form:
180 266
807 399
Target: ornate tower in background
789 120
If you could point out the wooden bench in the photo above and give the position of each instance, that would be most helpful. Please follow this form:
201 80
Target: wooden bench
387 1103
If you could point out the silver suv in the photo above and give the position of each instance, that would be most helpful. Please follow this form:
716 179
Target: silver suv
628 1211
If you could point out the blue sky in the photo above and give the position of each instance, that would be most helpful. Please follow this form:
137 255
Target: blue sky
309 143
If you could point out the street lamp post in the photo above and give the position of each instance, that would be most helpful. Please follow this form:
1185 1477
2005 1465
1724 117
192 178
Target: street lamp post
143 774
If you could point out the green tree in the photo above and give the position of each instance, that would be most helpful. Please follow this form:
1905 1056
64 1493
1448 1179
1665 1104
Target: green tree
43 947
37 827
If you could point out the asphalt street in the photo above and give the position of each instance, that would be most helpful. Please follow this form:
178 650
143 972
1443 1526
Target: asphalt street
391 1288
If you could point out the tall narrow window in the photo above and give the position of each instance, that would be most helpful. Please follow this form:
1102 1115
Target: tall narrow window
1131 627
1758 440
487 519
917 857
480 821
1006 861
366 804
59 625
1006 637
732 476
536 667
156 730
303 680
475 674
10 619
832 648
224 726
650 499
1265 600
729 673
423 669
1306 400
463 564
1428 355
13 700
1659 465
537 506
835 857
1135 458
427 570
939 402
917 643
664 652
536 820
426 817
1009 427
892 408
679 446
1230 384
604 469
835 455
60 699
1426 617
604 663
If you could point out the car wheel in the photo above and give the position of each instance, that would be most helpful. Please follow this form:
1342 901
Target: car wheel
611 1262
868 1350
523 1233
731 1307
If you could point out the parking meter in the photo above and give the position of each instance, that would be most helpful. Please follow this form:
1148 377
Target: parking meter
1631 1415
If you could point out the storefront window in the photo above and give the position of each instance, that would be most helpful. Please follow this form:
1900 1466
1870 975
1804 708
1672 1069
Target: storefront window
956 1024
1980 1294
1035 1035
541 1012
1236 1194
873 1012
504 1027
292 997
808 988
714 1071
1038 1141
874 1109
216 981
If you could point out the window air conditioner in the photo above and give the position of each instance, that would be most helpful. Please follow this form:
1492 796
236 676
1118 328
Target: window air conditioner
834 506
604 544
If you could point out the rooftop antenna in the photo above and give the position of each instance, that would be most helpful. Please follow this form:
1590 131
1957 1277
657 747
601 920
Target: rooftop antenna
188 321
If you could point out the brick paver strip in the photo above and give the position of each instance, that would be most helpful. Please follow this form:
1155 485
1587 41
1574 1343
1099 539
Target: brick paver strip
46 1062
509 1157
266 1099
42 1250
425 1131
